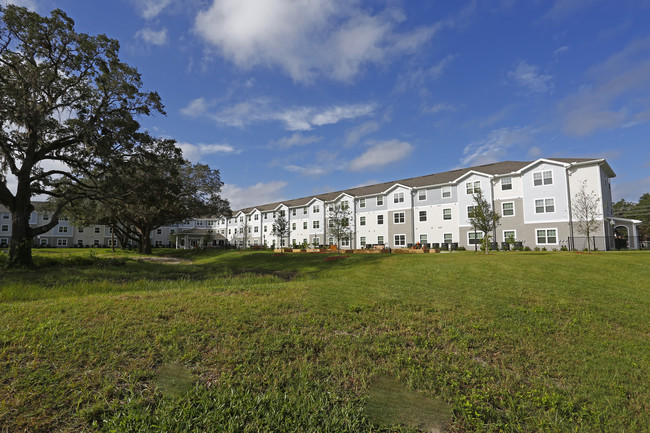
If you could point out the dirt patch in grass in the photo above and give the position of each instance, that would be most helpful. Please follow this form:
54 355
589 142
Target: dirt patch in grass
390 403
174 379
165 260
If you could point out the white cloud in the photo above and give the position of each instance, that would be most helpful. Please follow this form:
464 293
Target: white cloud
307 38
419 77
564 8
561 50
381 154
260 193
150 9
296 139
495 146
29 4
354 135
196 152
153 37
438 108
530 80
617 93
262 110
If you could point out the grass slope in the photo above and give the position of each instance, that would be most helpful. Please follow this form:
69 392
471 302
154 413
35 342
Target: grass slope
214 341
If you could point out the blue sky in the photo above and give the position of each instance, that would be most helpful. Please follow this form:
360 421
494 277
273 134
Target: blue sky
292 98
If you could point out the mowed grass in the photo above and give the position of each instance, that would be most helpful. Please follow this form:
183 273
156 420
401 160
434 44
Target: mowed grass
233 341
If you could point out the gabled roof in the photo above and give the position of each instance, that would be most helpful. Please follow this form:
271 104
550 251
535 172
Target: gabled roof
436 179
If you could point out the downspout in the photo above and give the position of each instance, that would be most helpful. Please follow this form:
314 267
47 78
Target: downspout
494 223
413 216
568 191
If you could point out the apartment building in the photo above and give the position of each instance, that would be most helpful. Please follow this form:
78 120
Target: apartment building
534 199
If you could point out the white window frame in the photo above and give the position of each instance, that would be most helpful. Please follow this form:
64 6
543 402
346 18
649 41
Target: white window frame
158 231
398 197
422 195
471 206
63 229
362 221
448 235
315 209
545 230
316 240
362 202
445 192
293 226
61 242
399 218
446 214
503 208
421 214
479 237
544 177
315 224
44 243
506 183
380 219
5 228
545 205
473 187
401 242
380 240
505 236
362 241
304 225
423 241
380 200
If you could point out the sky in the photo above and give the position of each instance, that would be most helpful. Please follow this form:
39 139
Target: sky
289 98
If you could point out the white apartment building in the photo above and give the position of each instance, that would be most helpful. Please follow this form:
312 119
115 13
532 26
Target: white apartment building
533 197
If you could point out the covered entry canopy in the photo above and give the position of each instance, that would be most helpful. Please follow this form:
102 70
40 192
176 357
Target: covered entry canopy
194 238
627 229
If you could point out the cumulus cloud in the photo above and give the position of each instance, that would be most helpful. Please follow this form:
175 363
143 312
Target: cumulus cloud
259 110
380 154
354 135
616 94
260 193
294 140
29 4
495 147
153 37
150 9
307 38
528 78
196 152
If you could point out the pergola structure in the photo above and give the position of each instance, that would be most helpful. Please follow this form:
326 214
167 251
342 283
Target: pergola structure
197 238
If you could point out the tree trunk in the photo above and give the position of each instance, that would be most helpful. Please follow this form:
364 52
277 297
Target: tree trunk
20 249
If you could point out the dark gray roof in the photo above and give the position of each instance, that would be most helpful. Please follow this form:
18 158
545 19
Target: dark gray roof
496 168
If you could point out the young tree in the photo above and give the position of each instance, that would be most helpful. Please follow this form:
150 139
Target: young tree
338 223
484 218
586 208
67 105
280 228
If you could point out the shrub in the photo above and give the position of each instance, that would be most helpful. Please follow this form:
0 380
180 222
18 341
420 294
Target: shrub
526 248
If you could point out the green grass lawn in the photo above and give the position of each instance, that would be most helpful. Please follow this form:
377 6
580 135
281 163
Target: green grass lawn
247 342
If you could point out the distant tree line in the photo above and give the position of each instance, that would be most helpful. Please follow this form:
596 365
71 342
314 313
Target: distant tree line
639 211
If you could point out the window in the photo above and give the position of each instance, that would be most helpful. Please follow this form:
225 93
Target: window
400 240
362 241
241 230
63 229
5 228
543 178
508 208
380 200
158 244
470 211
398 197
46 217
293 226
80 243
345 205
304 225
304 210
547 236
423 239
241 219
266 215
80 230
507 234
158 231
345 242
256 229
423 215
506 183
44 242
362 202
257 217
4 242
95 243
330 241
473 187
5 216
293 212
266 229
316 240
398 217
446 214
331 223
315 209
283 213
446 191
380 219
475 238
545 205
447 238
61 242
362 221
316 224
199 223
380 240
98 229
422 194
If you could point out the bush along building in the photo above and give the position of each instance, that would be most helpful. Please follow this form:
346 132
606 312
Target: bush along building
536 201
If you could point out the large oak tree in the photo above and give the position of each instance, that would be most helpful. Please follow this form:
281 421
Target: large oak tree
67 106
